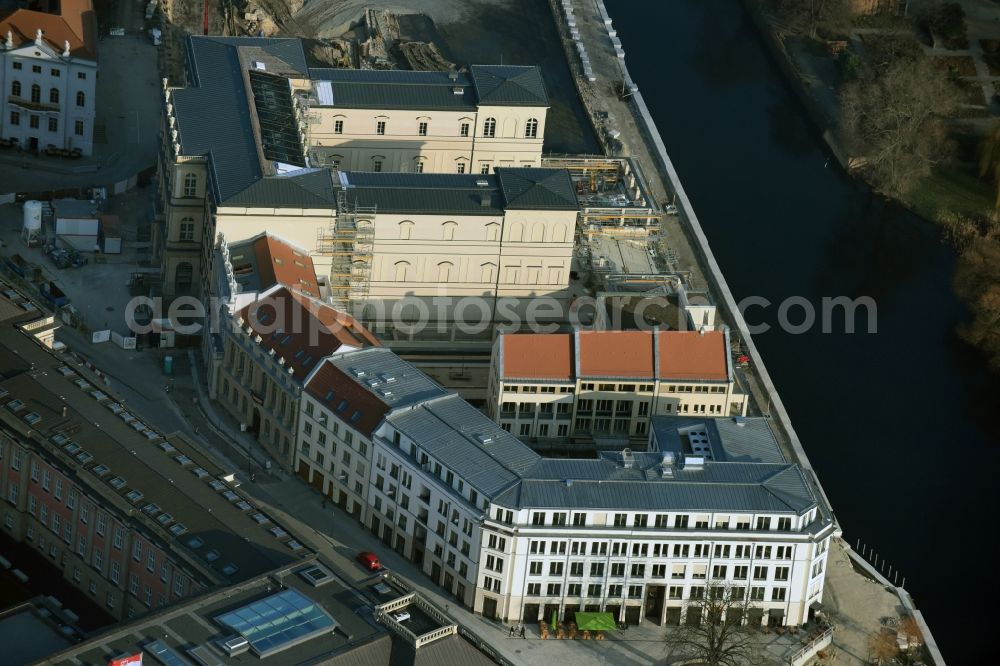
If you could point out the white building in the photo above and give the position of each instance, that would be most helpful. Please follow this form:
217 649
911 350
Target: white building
607 385
249 143
516 536
48 75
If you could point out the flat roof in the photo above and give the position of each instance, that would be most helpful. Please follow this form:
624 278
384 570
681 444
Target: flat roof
182 498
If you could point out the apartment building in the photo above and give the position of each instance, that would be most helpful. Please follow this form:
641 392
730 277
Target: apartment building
254 163
48 75
447 122
82 484
268 348
607 385
516 536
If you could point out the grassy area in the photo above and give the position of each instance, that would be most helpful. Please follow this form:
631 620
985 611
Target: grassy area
952 190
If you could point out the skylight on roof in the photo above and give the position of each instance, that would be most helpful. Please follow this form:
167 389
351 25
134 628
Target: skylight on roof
356 415
342 406
329 396
278 622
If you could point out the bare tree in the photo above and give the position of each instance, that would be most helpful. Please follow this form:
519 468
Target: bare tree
808 17
715 632
897 121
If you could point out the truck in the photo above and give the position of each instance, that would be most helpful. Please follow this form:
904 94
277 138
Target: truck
53 295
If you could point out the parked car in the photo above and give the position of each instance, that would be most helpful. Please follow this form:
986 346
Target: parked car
369 561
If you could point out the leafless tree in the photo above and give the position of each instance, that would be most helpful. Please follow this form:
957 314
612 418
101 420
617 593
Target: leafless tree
897 121
720 636
808 17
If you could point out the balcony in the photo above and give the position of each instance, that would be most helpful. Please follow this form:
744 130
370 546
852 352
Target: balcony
32 106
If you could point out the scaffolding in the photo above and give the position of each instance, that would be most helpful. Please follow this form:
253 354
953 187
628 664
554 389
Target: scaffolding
613 195
348 242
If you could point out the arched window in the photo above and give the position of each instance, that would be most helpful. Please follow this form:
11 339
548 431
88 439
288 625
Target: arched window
445 271
492 231
418 164
537 232
531 128
81 98
402 268
448 230
54 96
516 232
15 88
405 228
190 185
36 93
490 127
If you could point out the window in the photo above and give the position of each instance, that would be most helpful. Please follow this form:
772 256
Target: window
763 523
419 166
36 69
778 594
538 518
116 572
638 570
534 589
15 118
531 128
380 127
484 168
740 572
719 571
422 129
53 124
597 569
54 95
186 230
15 88
461 167
620 519
781 573
36 93
575 568
463 129
785 524
490 127
338 126
579 519
81 75
594 590
56 73
554 589
680 521
556 568
535 568
78 128
760 573
376 164
17 65
33 122
617 569
151 561
81 98
190 185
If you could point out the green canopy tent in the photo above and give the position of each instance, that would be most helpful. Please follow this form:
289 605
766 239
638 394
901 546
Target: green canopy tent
596 622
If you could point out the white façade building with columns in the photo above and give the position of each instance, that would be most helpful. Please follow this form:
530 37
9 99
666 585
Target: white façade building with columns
516 536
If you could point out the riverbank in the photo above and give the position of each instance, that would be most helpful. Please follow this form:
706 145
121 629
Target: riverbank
641 137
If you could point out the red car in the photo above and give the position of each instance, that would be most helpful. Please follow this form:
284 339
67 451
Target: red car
369 561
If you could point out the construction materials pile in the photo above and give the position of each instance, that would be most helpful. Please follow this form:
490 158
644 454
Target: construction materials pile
423 57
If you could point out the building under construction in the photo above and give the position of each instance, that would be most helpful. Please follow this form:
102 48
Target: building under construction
613 195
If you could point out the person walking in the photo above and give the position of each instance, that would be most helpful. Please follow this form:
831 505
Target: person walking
522 631
511 634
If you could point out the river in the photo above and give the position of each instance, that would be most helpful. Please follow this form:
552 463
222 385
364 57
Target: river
901 425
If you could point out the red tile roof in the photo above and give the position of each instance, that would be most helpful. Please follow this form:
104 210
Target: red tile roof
693 355
280 263
531 356
342 395
616 354
682 355
302 330
76 23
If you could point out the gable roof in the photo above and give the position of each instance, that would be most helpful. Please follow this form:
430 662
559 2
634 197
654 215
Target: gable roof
302 330
76 23
349 402
526 188
625 354
264 261
509 85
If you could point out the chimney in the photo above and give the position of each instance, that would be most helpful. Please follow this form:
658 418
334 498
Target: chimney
38 37
10 40
66 49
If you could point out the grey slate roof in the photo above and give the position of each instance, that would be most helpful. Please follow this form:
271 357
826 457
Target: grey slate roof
213 113
509 85
526 188
426 193
466 441
306 188
396 89
378 368
729 441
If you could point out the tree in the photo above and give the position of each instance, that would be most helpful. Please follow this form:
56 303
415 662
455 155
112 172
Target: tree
808 17
897 121
989 160
714 631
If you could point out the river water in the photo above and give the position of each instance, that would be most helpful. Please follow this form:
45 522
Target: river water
901 425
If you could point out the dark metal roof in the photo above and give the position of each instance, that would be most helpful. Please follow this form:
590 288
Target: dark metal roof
307 188
526 188
509 85
213 113
396 89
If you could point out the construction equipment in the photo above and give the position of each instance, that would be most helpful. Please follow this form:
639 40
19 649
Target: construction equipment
348 242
